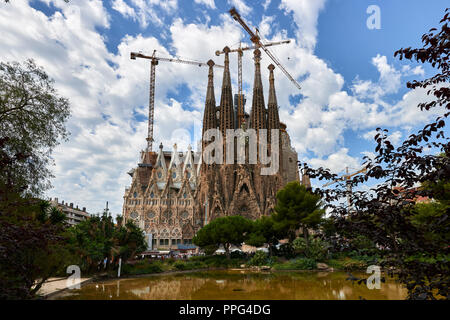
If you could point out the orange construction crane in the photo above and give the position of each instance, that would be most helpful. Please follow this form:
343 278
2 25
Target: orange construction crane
240 52
151 106
254 37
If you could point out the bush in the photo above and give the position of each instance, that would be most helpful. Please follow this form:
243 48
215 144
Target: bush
189 265
258 259
317 248
363 245
297 264
179 265
299 245
238 255
142 267
348 264
286 250
218 261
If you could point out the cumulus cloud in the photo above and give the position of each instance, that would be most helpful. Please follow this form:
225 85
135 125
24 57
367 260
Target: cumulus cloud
241 6
124 9
109 92
208 3
145 11
336 162
306 14
266 4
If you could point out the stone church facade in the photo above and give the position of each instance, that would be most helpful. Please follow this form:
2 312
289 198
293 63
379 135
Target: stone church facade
173 194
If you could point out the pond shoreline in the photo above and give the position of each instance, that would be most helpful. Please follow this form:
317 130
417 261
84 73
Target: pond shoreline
230 283
100 277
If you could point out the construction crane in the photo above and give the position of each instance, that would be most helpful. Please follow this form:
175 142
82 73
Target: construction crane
151 106
240 52
257 41
346 177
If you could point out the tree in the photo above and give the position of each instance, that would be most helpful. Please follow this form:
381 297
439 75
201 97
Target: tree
32 120
226 231
32 248
413 238
130 240
297 208
32 234
97 238
264 231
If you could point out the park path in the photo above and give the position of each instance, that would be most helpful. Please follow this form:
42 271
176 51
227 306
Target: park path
53 285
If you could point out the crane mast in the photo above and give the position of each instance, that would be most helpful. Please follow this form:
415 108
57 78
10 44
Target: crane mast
257 41
346 177
151 106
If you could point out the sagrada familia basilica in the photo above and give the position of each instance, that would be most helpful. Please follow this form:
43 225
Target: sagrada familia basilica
173 194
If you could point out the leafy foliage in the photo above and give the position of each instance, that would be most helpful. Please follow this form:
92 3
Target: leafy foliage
264 231
260 258
297 264
412 239
32 120
226 231
316 250
32 247
98 238
296 207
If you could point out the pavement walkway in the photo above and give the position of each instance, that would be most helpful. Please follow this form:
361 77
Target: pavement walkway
53 285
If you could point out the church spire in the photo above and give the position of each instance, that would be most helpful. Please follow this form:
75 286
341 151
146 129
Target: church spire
258 112
273 119
226 98
209 116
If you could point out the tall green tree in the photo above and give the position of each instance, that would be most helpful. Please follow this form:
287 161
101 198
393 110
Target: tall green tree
226 231
99 237
32 122
263 232
297 208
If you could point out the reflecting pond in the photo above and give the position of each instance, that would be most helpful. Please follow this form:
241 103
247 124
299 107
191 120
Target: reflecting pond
237 285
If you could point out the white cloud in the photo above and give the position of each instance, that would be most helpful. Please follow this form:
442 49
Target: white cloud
208 3
106 136
337 161
266 26
418 70
145 10
395 137
266 4
306 14
241 6
124 9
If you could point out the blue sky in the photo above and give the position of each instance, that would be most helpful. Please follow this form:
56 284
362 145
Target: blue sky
351 83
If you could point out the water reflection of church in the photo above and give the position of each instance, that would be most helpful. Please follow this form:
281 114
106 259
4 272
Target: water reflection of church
173 194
